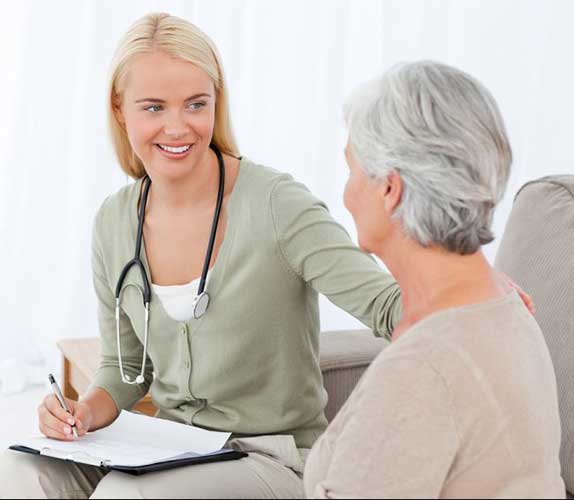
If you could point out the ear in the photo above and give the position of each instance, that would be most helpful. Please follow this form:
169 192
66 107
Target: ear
393 189
117 108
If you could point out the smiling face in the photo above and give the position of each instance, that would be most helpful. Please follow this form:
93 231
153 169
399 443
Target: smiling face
168 109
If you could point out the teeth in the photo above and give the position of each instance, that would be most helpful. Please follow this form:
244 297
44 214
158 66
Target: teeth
169 149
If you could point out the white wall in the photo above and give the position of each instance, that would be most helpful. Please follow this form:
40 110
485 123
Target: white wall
290 64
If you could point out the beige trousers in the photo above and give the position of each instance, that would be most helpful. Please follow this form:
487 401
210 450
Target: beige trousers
273 469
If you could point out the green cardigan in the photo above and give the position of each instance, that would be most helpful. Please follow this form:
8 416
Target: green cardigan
250 365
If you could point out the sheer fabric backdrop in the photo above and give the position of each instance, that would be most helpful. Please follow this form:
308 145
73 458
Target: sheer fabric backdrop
290 65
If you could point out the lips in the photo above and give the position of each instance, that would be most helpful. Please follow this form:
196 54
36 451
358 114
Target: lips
173 151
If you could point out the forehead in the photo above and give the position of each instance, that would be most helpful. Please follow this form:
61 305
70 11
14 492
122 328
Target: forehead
159 75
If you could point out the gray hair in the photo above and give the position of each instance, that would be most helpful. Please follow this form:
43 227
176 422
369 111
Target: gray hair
441 131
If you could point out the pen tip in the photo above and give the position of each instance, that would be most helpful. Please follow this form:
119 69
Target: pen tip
51 378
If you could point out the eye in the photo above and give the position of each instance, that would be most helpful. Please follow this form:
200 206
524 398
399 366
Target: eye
154 108
194 106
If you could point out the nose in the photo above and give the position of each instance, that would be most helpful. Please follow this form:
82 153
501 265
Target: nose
173 133
176 127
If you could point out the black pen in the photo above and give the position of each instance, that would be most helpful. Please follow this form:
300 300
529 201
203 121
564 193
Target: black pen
58 393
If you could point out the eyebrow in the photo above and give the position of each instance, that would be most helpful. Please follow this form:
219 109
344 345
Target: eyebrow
161 101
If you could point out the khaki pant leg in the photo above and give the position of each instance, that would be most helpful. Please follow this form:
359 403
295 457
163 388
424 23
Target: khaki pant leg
34 476
257 476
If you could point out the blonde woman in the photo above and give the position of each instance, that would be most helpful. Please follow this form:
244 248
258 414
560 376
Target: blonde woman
463 404
249 364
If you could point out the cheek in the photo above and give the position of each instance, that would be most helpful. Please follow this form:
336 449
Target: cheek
204 123
141 132
360 200
350 195
355 199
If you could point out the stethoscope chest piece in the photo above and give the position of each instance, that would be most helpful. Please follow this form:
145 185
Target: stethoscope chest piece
200 305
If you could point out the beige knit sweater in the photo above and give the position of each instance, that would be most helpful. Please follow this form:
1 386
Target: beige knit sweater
463 405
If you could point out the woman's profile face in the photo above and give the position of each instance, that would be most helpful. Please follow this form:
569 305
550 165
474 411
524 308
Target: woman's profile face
168 109
363 199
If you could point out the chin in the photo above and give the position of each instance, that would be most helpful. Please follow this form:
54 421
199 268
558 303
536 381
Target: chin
173 170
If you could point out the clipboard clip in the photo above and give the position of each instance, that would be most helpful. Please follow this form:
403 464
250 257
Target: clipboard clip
76 456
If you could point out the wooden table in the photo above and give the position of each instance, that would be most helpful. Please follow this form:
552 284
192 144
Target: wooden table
81 358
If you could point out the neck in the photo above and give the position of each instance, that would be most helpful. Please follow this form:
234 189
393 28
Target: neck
197 188
432 279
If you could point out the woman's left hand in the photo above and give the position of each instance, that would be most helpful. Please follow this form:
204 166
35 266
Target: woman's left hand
527 299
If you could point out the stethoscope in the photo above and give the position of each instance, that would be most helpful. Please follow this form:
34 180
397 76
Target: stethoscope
201 302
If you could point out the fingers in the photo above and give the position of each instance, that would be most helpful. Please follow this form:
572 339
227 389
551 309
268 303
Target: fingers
54 421
53 427
81 429
527 299
530 304
55 408
82 419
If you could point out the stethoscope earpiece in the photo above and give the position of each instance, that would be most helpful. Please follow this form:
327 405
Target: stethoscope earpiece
138 380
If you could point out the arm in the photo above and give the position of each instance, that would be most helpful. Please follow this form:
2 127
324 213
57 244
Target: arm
100 407
320 252
399 438
108 395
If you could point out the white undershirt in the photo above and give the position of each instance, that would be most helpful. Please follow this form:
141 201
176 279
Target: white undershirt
177 300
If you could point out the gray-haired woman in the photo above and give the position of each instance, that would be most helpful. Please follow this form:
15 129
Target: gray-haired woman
463 403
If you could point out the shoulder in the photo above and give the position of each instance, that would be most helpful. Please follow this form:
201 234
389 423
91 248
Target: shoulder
404 364
115 209
420 353
278 185
399 387
473 343
280 195
261 178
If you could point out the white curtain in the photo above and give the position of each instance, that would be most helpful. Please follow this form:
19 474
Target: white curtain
290 64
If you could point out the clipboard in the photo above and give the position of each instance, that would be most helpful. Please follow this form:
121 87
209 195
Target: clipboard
220 456
137 444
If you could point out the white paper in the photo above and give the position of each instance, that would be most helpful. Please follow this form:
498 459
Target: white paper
134 440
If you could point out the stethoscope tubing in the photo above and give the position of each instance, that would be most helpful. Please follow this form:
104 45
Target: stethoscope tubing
136 261
202 299
216 215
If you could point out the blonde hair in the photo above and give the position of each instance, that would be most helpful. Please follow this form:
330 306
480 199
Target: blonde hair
178 38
